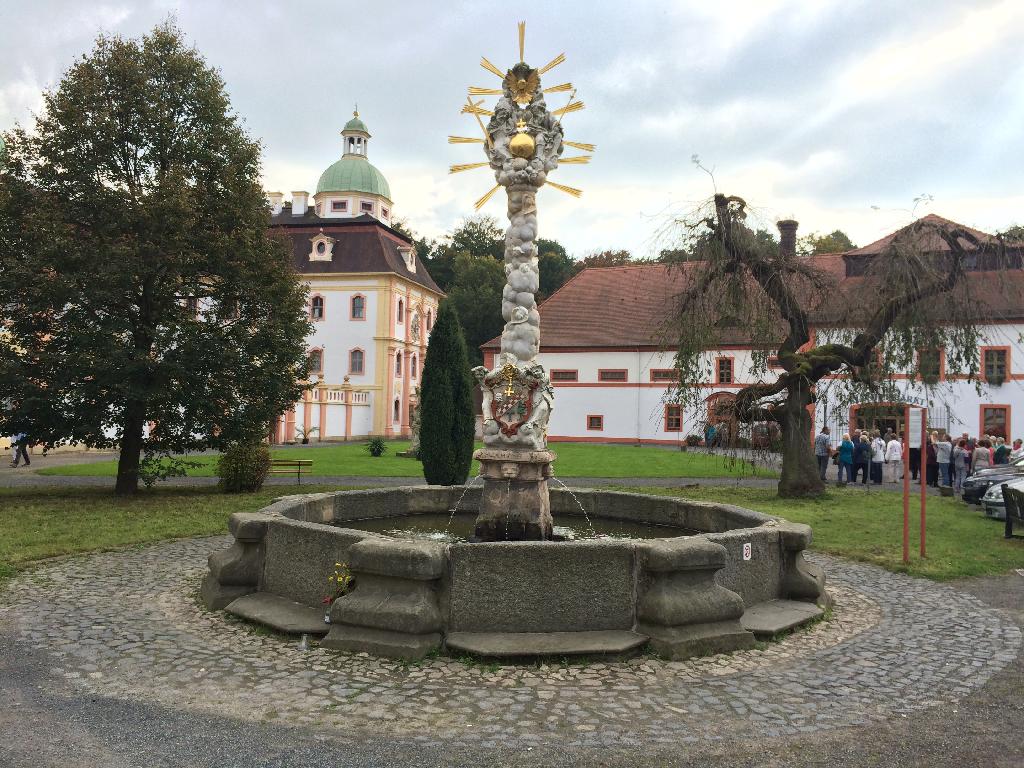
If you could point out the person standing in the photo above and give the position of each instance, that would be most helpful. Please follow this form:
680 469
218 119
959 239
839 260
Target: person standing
861 458
845 460
894 459
877 458
960 458
931 461
944 457
1018 449
981 458
1002 452
915 460
823 451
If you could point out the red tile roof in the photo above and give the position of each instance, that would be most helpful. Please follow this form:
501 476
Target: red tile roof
628 306
924 238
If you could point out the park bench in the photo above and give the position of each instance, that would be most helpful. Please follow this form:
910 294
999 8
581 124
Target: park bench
1013 502
297 467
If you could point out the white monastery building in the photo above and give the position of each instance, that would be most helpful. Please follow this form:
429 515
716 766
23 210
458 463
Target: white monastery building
372 306
600 343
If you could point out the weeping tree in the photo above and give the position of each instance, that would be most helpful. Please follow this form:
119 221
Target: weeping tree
870 319
144 305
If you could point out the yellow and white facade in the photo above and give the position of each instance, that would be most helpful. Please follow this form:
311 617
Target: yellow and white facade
371 304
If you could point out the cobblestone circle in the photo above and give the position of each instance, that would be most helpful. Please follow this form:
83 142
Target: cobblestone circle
128 624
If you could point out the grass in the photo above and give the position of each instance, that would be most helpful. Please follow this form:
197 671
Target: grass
38 523
47 522
574 460
960 540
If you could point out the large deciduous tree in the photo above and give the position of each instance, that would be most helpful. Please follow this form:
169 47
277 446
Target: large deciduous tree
145 304
917 294
446 404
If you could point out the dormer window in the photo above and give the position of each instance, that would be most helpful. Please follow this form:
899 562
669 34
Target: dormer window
409 257
322 248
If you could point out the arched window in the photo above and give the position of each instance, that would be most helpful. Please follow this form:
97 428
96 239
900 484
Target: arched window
401 311
398 364
430 320
355 361
316 361
398 411
358 307
414 367
316 308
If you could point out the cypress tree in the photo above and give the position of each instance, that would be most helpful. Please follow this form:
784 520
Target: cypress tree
446 404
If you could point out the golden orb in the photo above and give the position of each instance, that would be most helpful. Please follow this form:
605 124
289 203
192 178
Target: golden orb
522 144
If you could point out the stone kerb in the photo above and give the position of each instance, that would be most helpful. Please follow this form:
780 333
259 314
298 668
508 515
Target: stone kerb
680 606
393 610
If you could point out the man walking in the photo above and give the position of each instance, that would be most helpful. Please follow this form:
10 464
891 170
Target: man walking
823 451
20 445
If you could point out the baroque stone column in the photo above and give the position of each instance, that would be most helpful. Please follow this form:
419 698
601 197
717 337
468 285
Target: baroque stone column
525 141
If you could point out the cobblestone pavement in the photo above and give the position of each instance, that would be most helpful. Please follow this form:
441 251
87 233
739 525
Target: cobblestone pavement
127 626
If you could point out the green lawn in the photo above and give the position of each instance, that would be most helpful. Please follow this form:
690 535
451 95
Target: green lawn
38 523
960 541
45 522
574 460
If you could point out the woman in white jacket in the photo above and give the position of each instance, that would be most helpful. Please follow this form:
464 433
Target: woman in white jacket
894 460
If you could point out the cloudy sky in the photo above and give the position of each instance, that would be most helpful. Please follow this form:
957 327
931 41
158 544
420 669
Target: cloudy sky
835 112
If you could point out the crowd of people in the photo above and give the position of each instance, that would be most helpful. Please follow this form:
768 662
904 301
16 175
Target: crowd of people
947 461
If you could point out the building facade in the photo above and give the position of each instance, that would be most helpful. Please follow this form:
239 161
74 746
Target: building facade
371 304
613 379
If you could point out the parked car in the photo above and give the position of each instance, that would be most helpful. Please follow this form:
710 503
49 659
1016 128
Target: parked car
976 485
993 502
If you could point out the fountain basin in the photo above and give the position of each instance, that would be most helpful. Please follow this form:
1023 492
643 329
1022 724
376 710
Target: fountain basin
683 594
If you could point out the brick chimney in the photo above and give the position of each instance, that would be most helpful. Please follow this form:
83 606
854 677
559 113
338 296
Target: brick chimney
787 236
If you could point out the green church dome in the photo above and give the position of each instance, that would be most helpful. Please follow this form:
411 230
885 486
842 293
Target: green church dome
355 124
354 173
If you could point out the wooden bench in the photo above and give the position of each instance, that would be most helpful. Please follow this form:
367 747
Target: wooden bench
297 467
1013 503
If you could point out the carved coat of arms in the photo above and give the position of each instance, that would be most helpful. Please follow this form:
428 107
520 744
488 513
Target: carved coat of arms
511 398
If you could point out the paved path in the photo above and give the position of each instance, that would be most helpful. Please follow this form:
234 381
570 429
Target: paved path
108 660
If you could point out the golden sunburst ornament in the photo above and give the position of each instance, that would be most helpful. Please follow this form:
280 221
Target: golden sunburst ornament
523 139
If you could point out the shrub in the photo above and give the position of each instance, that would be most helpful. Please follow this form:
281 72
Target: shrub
376 446
693 440
446 404
243 467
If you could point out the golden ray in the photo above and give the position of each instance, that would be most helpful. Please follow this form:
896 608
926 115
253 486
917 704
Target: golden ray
522 41
491 68
487 136
466 167
552 64
473 109
568 190
572 106
483 200
580 145
558 88
477 91
581 160
466 140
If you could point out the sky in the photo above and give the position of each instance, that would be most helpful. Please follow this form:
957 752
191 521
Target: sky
841 114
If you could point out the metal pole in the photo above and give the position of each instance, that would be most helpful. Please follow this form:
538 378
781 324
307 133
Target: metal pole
924 464
906 485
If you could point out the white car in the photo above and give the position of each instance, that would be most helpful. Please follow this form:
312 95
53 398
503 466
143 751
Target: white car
993 502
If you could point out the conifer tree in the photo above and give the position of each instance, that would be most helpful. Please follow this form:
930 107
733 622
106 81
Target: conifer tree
446 404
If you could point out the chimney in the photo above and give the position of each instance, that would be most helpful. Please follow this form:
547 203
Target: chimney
276 202
299 203
787 237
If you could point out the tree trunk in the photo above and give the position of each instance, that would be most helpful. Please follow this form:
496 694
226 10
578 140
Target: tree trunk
800 477
131 448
